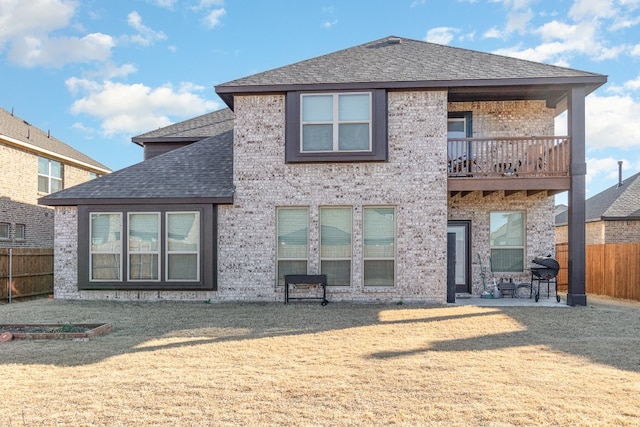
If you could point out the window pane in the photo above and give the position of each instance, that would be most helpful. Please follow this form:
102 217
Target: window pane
43 184
105 232
182 267
143 266
290 267
105 267
317 108
456 128
317 138
507 229
144 232
20 231
56 185
379 232
378 272
507 260
43 166
56 169
183 230
4 231
354 107
292 233
338 272
353 137
335 232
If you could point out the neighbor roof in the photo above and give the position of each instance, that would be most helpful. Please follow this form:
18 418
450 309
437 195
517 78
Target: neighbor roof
201 172
619 202
19 132
395 62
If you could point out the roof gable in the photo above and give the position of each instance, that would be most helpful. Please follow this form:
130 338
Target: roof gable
194 129
201 172
395 62
618 202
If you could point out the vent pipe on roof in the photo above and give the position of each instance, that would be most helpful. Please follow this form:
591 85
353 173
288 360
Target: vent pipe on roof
619 173
394 40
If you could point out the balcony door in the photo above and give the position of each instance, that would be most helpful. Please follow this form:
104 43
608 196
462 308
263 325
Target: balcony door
462 231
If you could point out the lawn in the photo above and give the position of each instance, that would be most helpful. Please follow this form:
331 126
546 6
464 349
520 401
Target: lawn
198 364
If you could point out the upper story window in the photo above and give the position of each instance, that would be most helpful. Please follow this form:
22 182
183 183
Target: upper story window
93 175
336 127
335 122
49 175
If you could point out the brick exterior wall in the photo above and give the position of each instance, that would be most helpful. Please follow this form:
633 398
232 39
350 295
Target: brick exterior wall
19 197
539 230
414 181
601 232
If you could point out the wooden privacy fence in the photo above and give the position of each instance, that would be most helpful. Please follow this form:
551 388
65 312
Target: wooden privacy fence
613 269
31 271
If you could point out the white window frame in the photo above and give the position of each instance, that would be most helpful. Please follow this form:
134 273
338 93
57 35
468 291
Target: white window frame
338 258
20 232
393 258
184 252
510 247
113 252
5 235
49 176
335 122
141 251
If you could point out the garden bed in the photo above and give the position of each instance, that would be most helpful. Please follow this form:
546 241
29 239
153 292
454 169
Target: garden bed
53 331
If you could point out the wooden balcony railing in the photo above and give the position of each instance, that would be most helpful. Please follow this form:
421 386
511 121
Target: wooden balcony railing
541 156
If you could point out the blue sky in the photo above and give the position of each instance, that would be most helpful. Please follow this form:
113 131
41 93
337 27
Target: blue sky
96 73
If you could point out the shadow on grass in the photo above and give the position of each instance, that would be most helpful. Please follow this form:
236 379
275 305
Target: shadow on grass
604 334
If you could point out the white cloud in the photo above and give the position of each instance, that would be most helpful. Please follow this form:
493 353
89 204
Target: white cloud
207 4
19 18
146 35
30 51
26 27
441 35
213 18
135 108
592 9
493 33
167 4
329 24
611 121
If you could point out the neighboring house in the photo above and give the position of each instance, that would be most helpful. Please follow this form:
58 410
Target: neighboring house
356 165
612 216
34 164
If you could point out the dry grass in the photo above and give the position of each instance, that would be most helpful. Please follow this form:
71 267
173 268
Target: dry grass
303 364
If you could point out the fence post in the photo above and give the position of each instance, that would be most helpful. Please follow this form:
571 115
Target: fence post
10 274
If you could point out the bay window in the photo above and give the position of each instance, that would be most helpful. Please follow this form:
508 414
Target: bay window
162 247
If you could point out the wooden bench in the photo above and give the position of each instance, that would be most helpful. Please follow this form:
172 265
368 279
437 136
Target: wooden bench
306 279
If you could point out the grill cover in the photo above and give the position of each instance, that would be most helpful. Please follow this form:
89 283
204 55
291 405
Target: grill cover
547 262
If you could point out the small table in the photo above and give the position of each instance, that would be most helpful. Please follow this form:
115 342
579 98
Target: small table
306 279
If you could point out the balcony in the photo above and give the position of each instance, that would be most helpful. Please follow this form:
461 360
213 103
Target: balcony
531 164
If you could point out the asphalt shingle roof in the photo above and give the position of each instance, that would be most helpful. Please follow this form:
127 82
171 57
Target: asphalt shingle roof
193 129
616 202
199 172
14 127
395 59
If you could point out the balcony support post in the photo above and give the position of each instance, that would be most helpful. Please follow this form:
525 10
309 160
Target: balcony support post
577 170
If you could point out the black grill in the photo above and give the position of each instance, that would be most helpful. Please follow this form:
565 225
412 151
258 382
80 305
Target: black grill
546 270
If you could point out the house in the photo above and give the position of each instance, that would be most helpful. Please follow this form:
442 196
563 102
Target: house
35 164
357 165
612 216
